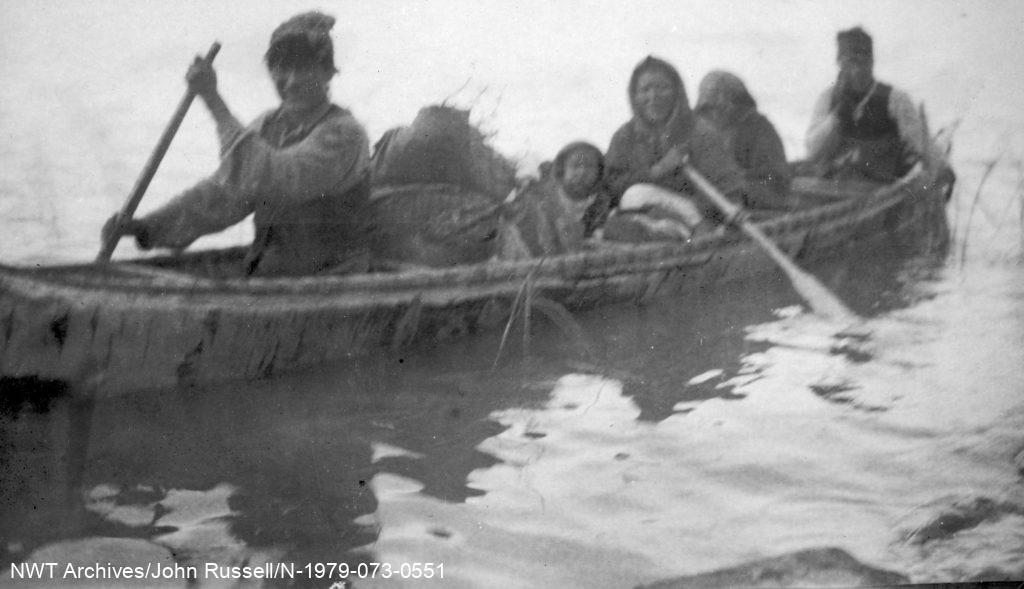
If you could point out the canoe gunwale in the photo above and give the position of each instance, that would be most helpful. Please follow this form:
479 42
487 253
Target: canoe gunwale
137 324
144 277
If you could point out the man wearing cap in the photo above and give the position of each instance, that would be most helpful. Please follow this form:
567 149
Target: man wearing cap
302 169
861 128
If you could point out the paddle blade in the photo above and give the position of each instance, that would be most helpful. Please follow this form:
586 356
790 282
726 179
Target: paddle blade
820 299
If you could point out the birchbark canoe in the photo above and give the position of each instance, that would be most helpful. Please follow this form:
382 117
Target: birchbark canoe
172 321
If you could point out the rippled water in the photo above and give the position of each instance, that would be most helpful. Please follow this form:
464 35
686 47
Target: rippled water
690 438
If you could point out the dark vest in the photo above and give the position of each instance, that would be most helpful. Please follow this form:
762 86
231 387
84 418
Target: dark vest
870 147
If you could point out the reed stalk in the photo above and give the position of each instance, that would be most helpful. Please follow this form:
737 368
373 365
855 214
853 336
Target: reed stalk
527 301
511 319
989 166
1005 213
527 318
521 298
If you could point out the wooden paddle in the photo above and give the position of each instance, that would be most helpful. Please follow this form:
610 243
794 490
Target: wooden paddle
125 215
820 299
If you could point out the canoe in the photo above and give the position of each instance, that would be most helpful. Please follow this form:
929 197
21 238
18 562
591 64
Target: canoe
173 321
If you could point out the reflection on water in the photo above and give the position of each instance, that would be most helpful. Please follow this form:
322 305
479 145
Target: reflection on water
283 466
698 438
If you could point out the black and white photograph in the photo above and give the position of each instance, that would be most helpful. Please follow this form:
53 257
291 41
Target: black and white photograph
474 294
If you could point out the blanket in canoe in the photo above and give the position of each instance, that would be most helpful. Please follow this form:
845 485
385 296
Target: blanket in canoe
437 184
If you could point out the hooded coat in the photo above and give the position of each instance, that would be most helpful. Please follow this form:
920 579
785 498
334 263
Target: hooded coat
637 145
751 137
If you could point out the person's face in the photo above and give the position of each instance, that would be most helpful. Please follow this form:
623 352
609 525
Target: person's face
655 96
582 171
855 72
302 87
714 105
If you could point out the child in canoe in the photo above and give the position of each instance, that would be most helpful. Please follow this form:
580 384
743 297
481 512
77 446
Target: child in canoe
558 212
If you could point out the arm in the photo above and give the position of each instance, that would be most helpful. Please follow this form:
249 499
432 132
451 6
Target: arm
712 158
823 134
768 164
908 119
623 171
228 127
205 208
202 79
333 158
620 170
252 173
597 213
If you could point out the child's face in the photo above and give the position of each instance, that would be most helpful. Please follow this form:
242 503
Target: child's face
582 170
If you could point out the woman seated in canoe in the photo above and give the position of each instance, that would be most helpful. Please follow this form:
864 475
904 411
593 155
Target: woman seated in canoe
302 168
724 101
556 213
653 196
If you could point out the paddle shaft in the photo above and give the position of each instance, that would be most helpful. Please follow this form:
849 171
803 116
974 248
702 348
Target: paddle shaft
152 164
820 299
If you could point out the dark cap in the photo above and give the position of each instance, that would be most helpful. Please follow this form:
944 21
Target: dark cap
303 40
854 41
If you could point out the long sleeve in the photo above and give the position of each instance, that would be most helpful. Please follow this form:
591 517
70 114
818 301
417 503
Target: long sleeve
629 161
228 132
331 159
205 208
712 158
768 165
908 119
253 174
822 136
228 127
621 169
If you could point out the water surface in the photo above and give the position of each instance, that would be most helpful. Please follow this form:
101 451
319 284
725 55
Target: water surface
693 436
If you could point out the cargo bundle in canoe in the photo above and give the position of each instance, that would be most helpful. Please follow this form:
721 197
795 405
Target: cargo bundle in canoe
172 321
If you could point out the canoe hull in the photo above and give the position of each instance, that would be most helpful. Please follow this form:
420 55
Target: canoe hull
148 324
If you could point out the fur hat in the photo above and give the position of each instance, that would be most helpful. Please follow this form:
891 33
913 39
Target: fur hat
563 154
302 40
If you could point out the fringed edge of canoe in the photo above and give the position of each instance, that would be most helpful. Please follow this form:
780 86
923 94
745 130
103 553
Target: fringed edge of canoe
144 277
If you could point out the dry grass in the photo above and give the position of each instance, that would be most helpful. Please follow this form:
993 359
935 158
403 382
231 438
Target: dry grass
521 300
525 303
989 167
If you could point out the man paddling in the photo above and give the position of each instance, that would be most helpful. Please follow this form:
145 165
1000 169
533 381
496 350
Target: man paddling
302 169
861 128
